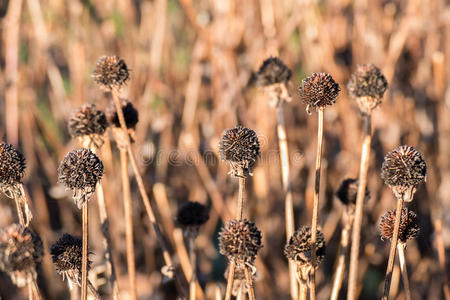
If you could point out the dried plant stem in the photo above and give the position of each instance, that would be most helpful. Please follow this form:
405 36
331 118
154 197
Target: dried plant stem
127 208
402 259
441 256
240 202
84 259
230 280
249 280
19 209
288 205
315 216
192 257
30 291
93 290
390 266
364 166
34 289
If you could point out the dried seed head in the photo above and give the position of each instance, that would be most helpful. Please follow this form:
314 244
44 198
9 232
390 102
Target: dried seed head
318 91
20 252
67 256
192 214
409 227
367 86
240 240
87 120
130 114
111 72
12 166
299 247
80 171
348 190
272 71
403 169
240 148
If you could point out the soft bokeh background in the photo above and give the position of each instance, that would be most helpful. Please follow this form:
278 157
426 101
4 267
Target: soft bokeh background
191 63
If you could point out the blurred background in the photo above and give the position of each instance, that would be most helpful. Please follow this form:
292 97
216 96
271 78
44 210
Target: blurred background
191 66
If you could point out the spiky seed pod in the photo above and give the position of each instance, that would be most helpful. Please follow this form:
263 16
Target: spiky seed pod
192 214
367 86
87 120
240 240
403 169
111 72
298 248
80 171
67 257
348 190
20 252
318 91
240 148
272 71
409 227
130 114
12 166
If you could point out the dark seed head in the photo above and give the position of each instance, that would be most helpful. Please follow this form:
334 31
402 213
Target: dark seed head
111 72
192 214
409 227
272 71
299 246
240 148
87 120
403 169
67 256
80 171
20 252
240 240
318 90
348 190
12 166
130 114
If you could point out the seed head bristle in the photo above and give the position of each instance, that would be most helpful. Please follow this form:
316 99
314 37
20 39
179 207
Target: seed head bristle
192 214
348 190
80 171
299 247
240 240
272 71
318 91
20 252
240 148
111 72
12 166
130 114
409 228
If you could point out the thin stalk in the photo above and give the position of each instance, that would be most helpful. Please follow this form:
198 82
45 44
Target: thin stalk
19 209
303 293
93 290
84 259
249 280
230 280
402 259
127 208
364 166
240 202
390 266
315 216
192 257
288 205
30 291
35 289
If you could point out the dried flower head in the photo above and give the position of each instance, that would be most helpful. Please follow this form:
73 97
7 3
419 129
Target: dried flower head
403 169
272 71
367 86
299 247
240 148
87 122
20 252
348 190
67 256
240 240
111 72
12 166
80 171
318 91
192 214
409 227
130 114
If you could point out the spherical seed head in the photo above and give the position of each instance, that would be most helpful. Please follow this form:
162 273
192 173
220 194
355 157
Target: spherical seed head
192 214
20 252
299 246
240 240
80 171
348 190
403 169
240 148
86 121
409 227
318 90
111 72
130 114
12 165
67 254
272 71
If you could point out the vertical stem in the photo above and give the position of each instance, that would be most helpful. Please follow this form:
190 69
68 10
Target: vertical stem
34 289
315 216
288 205
30 291
364 166
390 266
192 281
303 294
84 259
402 259
93 290
19 208
240 200
441 256
127 208
230 280
249 279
